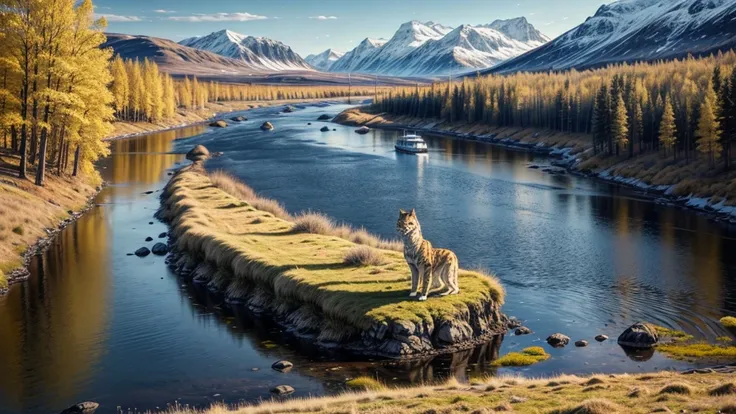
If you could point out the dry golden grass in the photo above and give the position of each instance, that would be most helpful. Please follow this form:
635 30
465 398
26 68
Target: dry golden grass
27 209
516 394
364 256
260 249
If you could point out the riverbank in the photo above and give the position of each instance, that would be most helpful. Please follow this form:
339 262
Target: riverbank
710 391
674 182
211 111
312 283
30 215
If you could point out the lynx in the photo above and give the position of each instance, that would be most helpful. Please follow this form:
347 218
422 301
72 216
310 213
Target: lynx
437 268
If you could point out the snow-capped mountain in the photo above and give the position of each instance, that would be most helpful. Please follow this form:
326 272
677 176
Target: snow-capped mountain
259 52
426 49
636 30
324 60
355 59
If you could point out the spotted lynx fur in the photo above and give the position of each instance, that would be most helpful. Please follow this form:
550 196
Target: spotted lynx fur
436 268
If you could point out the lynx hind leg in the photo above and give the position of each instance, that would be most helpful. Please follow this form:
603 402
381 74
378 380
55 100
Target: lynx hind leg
452 278
426 274
442 280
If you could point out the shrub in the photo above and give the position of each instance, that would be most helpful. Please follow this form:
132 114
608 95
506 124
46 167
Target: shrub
676 388
365 384
726 389
315 223
364 256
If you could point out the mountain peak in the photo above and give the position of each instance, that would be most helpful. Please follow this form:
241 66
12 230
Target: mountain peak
519 29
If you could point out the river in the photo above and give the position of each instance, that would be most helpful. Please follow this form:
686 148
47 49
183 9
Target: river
576 256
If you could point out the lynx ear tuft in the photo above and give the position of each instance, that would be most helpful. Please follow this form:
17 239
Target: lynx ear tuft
402 212
413 212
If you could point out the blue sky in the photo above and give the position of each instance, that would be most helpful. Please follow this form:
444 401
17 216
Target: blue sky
311 26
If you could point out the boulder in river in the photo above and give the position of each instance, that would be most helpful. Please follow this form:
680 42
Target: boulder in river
162 235
324 117
238 119
522 330
142 252
198 153
83 407
363 130
558 340
601 338
267 126
218 124
581 343
160 249
149 238
282 390
282 366
639 335
513 323
288 110
324 129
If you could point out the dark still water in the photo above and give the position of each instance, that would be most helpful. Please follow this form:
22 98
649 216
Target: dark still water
576 256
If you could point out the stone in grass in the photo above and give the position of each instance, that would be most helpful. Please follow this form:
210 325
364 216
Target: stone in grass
558 340
522 330
162 235
160 249
324 129
601 338
142 252
282 366
581 343
282 390
149 238
639 335
83 407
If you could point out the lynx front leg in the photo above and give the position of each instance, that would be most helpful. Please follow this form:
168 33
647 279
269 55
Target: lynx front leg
414 280
426 272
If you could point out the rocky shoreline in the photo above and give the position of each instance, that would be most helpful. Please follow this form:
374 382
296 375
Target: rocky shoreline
21 273
566 162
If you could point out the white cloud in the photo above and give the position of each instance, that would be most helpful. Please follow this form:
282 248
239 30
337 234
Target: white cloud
164 11
219 17
323 17
117 17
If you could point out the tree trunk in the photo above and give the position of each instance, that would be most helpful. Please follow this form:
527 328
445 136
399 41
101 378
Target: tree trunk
76 161
59 161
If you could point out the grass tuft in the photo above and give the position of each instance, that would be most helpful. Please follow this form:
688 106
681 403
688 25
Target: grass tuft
527 356
726 389
19 230
365 384
677 388
314 223
673 334
697 350
591 406
238 189
728 322
364 256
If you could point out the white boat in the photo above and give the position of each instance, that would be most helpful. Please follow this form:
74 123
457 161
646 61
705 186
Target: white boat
411 143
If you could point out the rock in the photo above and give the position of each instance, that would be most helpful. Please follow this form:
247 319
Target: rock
129 254
162 235
324 117
601 338
267 126
534 167
160 249
282 366
517 400
309 123
198 153
513 323
334 129
148 192
581 343
639 335
324 129
149 238
283 390
363 130
150 222
455 332
288 110
219 124
83 407
239 119
558 340
142 252
522 330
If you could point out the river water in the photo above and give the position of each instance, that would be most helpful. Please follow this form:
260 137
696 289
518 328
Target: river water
576 256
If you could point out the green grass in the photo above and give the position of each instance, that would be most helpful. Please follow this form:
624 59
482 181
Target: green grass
527 356
672 334
724 339
260 249
698 350
729 322
365 384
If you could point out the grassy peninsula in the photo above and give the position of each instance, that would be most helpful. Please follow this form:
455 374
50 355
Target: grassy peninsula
312 282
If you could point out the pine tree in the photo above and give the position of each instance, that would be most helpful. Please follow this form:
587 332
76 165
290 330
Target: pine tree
120 86
667 128
708 129
619 123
